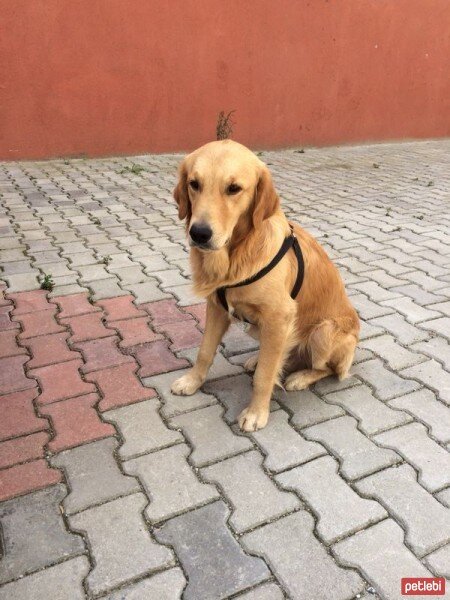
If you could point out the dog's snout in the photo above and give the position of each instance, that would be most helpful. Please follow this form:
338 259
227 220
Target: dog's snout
200 233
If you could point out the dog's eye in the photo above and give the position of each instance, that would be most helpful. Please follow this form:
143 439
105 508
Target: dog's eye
194 184
233 188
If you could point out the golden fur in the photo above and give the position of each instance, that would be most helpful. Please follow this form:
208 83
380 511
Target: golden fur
320 327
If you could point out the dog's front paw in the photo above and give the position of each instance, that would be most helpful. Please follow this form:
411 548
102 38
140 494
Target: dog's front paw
186 385
252 419
297 381
250 363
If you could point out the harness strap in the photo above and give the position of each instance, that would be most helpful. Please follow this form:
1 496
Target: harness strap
288 242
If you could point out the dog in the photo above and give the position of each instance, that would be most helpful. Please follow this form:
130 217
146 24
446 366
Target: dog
235 226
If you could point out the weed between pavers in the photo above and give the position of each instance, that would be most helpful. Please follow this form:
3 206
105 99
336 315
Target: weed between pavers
47 283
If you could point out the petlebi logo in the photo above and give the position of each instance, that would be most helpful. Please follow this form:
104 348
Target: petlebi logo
423 586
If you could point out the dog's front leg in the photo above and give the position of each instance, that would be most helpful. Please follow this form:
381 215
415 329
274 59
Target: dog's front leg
217 322
274 335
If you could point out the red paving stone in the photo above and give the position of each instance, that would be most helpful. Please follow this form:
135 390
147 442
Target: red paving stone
198 311
5 318
22 449
87 327
156 358
183 335
38 323
135 331
120 386
27 302
25 478
9 345
76 422
74 305
12 375
61 381
49 349
100 354
164 311
120 308
18 416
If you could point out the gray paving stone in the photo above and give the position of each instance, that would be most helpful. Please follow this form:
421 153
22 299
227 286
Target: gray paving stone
106 288
214 562
283 447
30 543
22 282
373 416
432 374
357 454
382 558
396 356
368 330
121 547
439 562
340 513
60 582
235 394
170 483
332 384
266 591
209 435
368 309
146 292
425 408
254 497
142 428
294 554
387 385
425 521
306 408
398 326
437 348
419 295
236 341
374 291
444 497
167 585
430 460
93 475
440 326
184 294
414 313
221 366
172 404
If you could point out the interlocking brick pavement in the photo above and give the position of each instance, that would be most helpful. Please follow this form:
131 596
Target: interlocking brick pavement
113 487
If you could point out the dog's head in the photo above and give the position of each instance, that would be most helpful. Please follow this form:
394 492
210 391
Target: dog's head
223 186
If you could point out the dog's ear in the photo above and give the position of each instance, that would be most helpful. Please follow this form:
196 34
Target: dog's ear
180 193
266 198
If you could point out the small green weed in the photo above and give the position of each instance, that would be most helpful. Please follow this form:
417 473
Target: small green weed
47 283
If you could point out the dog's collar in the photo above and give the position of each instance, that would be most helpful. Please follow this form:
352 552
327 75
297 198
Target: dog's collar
289 242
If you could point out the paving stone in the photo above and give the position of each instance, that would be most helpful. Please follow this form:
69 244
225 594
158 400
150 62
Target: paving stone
60 582
414 313
147 292
339 514
60 381
368 309
306 408
425 520
173 404
134 332
235 393
424 406
254 497
418 294
439 562
283 447
236 341
358 455
12 375
22 449
49 349
398 326
106 288
164 311
76 422
444 497
198 426
93 475
437 348
142 428
214 562
30 302
266 591
118 309
221 366
440 326
74 305
183 334
167 585
178 491
121 548
38 323
27 477
387 385
373 416
393 353
18 415
293 553
21 282
368 330
31 544
332 384
156 358
198 311
9 345
430 460
5 319
374 291
381 556
101 354
86 327
432 375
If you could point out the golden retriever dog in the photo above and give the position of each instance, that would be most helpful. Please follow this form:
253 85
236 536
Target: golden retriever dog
236 226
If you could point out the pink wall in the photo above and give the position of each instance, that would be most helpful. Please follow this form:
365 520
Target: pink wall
102 77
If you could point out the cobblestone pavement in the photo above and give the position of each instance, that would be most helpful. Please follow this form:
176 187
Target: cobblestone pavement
111 487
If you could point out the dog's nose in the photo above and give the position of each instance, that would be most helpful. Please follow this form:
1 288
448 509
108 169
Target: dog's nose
200 233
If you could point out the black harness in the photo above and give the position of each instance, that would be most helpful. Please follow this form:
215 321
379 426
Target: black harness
288 243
